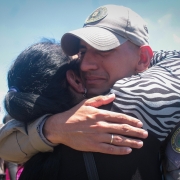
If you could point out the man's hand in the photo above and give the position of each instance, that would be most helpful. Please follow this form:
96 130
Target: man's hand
86 128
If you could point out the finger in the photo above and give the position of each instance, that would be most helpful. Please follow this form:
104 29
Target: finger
125 129
111 116
111 149
123 141
119 118
100 100
119 129
119 140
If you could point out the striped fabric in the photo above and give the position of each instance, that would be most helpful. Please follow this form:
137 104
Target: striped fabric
153 96
163 55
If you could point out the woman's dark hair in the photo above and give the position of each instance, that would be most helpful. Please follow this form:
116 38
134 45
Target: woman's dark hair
39 75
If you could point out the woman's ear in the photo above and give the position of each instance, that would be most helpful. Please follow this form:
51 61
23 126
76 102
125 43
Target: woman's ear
74 81
146 55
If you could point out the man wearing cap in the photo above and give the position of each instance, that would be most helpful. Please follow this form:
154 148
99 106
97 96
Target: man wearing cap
113 44
112 32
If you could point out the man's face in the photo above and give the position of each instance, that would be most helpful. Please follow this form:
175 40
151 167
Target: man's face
101 69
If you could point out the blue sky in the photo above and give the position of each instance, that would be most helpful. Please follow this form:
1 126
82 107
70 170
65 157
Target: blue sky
23 22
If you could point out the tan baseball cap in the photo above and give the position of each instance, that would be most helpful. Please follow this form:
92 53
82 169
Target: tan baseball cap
106 28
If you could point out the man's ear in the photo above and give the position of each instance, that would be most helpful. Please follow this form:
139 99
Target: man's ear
146 55
74 81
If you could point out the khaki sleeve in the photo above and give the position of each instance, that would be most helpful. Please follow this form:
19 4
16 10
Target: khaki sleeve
16 146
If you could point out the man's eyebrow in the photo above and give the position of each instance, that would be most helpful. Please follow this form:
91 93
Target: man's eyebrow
106 50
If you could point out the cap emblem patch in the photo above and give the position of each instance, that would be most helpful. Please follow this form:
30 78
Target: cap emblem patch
175 141
145 28
98 14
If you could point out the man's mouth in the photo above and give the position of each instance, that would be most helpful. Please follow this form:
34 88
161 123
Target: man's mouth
90 80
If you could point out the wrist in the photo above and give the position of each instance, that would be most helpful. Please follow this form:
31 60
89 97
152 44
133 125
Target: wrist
41 125
49 130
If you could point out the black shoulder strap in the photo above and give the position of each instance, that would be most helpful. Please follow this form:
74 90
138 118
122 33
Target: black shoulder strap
90 166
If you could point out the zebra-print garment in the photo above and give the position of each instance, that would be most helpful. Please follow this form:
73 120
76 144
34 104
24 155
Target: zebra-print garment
163 55
153 96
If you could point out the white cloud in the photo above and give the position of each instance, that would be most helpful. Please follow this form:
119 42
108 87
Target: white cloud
165 20
164 35
176 38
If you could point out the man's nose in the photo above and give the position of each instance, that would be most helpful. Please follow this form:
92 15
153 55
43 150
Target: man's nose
88 62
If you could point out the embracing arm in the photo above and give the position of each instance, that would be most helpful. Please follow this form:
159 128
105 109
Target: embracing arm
87 128
83 128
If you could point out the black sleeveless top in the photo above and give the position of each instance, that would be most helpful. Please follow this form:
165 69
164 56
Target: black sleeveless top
140 164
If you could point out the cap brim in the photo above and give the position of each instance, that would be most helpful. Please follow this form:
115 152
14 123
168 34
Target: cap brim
99 38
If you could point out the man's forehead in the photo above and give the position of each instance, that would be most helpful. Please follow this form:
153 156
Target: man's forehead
85 45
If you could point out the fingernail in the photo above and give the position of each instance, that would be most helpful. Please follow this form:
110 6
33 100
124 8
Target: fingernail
128 150
140 124
112 94
145 134
140 144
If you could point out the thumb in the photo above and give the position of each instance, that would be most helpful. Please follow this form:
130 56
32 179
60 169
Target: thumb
100 100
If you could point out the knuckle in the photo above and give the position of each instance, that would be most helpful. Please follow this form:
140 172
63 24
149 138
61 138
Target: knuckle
107 149
135 144
101 114
123 151
125 128
140 132
110 149
90 116
99 98
118 139
100 125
